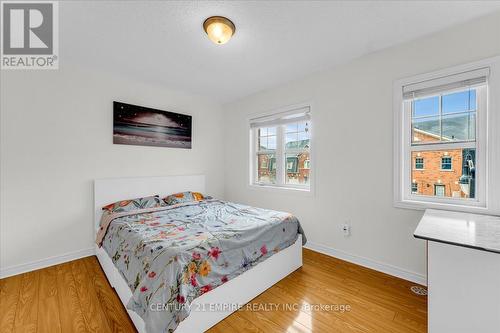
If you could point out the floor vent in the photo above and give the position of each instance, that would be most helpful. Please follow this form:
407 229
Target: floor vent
421 291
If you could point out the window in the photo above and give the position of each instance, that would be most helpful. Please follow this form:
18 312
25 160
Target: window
306 164
440 116
272 165
444 116
419 163
444 144
291 164
445 163
283 140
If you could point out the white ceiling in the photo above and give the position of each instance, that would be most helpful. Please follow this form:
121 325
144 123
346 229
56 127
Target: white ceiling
275 41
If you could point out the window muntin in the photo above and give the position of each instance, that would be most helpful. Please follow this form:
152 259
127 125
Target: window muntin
284 146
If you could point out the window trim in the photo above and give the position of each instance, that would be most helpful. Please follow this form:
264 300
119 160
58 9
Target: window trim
280 175
488 146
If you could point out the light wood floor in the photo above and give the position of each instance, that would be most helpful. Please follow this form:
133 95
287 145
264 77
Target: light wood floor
76 297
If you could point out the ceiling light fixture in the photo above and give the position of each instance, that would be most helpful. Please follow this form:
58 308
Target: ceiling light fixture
219 29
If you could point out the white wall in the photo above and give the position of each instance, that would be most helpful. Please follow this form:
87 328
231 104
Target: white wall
56 137
352 124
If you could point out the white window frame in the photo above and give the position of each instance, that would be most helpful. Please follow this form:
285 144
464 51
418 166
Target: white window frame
280 154
487 146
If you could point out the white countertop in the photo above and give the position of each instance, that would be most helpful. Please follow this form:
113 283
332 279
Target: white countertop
476 231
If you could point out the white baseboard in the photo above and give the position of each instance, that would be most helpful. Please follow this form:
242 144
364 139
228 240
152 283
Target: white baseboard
369 263
42 263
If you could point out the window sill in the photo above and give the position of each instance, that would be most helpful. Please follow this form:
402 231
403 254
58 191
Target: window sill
282 189
471 207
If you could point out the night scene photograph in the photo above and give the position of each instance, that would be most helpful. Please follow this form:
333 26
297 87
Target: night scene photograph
142 126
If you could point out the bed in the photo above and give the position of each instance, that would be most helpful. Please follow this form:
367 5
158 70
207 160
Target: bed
262 256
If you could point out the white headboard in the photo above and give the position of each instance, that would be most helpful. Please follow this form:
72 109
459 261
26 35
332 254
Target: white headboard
110 190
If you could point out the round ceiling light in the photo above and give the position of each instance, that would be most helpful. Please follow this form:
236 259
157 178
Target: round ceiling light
219 29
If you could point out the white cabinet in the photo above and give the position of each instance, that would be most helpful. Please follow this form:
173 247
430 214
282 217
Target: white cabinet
463 272
464 289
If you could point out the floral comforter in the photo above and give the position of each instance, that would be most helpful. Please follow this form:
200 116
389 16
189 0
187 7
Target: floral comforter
171 255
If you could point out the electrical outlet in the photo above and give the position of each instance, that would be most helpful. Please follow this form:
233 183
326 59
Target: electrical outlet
346 229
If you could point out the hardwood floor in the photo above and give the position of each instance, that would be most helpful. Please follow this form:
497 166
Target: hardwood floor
76 297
